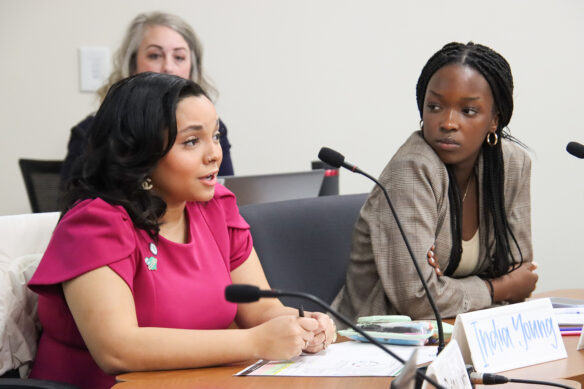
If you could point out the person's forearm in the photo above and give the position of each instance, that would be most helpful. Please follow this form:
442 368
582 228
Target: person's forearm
152 348
516 285
251 315
276 311
500 290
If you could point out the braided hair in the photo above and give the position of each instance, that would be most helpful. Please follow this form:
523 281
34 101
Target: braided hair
496 70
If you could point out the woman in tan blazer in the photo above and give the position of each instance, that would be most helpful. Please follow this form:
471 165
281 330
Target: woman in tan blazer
461 188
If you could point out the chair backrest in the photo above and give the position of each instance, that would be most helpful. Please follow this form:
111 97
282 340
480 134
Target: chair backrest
41 179
23 240
304 244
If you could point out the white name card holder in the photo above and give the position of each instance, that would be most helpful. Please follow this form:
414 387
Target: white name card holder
448 369
509 337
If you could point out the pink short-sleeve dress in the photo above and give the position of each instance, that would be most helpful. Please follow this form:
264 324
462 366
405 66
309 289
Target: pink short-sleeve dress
173 285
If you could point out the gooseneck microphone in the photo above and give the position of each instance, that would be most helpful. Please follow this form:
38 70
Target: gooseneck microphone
495 379
576 149
337 160
241 293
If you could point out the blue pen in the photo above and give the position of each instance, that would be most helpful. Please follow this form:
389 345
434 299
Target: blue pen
570 333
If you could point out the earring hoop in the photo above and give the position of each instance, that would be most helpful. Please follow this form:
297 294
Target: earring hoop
421 125
490 141
147 184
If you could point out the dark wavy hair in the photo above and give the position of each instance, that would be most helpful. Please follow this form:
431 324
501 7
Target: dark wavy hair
134 128
496 70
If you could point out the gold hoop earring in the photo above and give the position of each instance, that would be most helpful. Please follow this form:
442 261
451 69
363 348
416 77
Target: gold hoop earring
147 184
490 140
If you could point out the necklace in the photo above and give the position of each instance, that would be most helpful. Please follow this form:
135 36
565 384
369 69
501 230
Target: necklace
467 186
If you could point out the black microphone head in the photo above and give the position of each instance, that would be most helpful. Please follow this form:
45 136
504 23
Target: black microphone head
576 149
331 157
240 293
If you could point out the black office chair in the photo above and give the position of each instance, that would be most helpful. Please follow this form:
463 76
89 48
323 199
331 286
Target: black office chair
41 179
304 244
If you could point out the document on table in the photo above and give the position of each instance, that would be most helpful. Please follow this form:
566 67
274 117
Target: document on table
343 360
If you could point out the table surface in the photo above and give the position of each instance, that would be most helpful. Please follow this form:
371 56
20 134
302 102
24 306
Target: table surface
569 371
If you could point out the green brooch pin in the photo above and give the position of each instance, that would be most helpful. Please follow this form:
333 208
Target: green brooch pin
151 262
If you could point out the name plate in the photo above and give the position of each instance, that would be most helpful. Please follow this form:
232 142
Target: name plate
448 369
509 337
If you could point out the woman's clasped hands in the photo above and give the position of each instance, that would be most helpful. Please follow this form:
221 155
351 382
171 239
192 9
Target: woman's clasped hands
515 286
324 335
285 337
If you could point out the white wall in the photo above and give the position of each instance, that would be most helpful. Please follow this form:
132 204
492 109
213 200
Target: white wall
297 75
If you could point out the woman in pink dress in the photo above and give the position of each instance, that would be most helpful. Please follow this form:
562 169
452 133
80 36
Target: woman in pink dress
134 276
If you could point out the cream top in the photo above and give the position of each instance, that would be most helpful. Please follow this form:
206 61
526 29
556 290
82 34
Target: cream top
469 258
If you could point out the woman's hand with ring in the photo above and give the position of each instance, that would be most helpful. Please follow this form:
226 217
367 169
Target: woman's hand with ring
324 335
